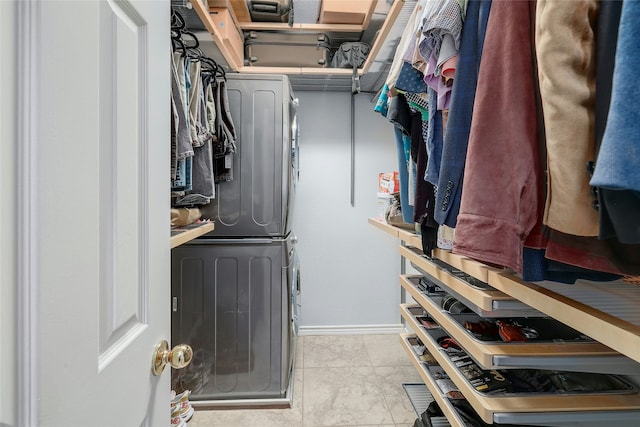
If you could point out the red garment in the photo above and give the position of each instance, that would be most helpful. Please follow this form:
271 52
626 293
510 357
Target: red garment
500 203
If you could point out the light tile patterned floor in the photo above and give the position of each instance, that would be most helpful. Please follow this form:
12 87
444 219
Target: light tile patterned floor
340 380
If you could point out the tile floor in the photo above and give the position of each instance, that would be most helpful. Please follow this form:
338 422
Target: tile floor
340 380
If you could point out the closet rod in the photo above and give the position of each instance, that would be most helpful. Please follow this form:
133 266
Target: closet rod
353 148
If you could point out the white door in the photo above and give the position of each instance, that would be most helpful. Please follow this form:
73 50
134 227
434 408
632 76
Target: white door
93 240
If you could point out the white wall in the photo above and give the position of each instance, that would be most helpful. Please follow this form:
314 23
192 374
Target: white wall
349 269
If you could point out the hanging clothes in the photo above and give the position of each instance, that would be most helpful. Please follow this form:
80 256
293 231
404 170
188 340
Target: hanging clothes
225 143
617 168
454 149
499 205
433 140
565 46
203 187
405 40
200 118
529 99
184 150
439 18
403 153
564 257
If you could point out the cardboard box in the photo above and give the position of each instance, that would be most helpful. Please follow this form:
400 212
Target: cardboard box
353 12
388 182
228 31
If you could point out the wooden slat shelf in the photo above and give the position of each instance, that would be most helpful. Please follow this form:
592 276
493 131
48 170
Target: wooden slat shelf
487 405
585 356
410 238
406 236
443 402
396 7
484 299
250 69
470 266
182 235
203 13
484 352
239 9
613 331
316 28
387 228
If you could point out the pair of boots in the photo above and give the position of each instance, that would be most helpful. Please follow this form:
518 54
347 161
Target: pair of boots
181 409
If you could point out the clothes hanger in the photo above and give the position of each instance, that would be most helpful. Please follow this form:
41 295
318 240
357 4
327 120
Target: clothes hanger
194 39
177 21
178 44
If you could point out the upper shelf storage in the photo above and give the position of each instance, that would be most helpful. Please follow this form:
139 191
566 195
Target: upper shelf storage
223 33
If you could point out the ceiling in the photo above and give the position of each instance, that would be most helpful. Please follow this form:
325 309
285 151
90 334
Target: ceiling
307 11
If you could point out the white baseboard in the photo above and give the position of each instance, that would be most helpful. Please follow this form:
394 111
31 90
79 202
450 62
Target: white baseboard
351 330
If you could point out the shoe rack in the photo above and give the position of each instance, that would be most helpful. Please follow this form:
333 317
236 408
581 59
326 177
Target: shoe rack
598 325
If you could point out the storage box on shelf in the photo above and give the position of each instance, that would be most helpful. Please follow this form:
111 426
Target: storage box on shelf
356 12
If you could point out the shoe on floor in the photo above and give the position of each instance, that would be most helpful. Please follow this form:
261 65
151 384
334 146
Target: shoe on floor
182 397
177 422
183 410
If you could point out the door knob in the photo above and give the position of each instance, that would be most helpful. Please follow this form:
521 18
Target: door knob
178 357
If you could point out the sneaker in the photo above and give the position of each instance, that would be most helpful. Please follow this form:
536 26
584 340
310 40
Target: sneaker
176 420
184 410
182 397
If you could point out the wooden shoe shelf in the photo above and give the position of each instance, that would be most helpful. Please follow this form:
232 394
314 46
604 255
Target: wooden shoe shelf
605 315
560 354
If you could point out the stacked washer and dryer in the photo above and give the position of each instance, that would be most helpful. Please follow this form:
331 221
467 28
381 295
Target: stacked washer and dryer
234 291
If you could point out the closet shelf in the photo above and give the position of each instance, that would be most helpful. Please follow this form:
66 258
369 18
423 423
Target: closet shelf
387 228
316 28
183 234
470 266
407 237
237 64
420 398
550 409
486 302
443 402
204 16
606 311
583 356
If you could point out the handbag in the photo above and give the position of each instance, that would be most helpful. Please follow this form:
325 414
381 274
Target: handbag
393 215
351 54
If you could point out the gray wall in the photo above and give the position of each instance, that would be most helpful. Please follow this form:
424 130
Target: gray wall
8 220
349 269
